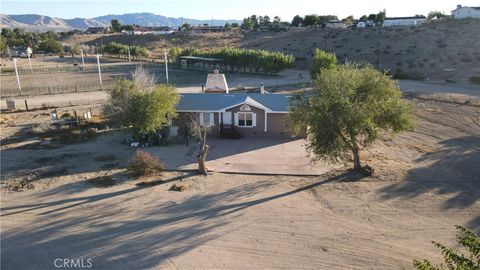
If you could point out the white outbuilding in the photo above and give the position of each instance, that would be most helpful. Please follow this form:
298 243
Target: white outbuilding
404 21
462 12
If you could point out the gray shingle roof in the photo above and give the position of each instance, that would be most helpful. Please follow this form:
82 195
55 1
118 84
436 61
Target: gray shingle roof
218 102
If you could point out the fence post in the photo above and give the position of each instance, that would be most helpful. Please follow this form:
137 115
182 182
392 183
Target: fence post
26 105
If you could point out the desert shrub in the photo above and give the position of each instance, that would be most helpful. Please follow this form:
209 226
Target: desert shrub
179 187
452 257
66 115
401 75
118 48
143 163
475 79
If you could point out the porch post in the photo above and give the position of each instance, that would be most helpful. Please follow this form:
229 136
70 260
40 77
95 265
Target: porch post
220 120
265 123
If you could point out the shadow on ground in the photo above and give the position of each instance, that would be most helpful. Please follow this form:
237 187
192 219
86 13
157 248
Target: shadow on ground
109 235
453 170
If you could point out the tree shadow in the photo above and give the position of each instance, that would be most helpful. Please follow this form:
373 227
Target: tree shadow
115 236
454 169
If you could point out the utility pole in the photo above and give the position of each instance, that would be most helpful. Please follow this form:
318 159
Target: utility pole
129 57
166 66
99 71
16 73
83 60
29 51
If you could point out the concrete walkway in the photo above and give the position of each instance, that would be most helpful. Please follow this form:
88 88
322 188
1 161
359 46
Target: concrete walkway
246 155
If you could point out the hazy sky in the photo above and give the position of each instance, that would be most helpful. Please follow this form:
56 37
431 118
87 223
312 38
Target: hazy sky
228 9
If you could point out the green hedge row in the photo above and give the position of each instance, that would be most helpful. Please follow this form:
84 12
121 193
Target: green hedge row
241 60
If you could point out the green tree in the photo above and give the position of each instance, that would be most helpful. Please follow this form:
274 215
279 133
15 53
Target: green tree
310 20
153 109
3 45
348 20
347 109
436 14
141 104
116 25
50 45
363 18
453 258
297 20
322 60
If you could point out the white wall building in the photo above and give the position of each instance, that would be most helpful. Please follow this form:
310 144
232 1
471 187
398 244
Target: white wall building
466 12
403 21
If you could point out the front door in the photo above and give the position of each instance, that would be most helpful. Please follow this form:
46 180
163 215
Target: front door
227 118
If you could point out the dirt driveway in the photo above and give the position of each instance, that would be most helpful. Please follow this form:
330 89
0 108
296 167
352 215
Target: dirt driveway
246 155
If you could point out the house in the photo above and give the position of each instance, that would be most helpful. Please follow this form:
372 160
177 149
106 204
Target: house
361 25
207 29
462 12
241 114
144 30
335 25
97 30
403 21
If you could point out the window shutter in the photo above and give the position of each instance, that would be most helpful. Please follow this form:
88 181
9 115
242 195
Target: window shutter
254 119
235 123
212 120
201 120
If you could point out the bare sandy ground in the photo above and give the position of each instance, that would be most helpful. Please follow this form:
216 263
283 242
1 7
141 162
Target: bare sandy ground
426 182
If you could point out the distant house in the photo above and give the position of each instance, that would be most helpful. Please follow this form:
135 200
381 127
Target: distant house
207 29
150 30
335 25
404 21
245 114
21 52
462 12
97 30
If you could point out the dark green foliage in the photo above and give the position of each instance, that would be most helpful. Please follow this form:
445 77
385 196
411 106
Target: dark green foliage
313 19
147 108
347 110
238 59
116 25
297 20
455 260
122 49
50 46
143 163
47 41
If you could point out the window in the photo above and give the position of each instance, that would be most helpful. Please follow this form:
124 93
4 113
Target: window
245 119
206 119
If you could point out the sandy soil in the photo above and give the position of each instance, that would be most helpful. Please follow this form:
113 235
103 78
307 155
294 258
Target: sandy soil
426 181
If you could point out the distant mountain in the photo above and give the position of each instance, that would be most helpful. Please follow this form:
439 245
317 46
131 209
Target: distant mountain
35 22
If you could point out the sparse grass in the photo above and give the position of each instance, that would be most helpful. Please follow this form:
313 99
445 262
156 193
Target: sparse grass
102 181
105 158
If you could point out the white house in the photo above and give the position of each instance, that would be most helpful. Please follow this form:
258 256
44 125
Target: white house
466 12
403 21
